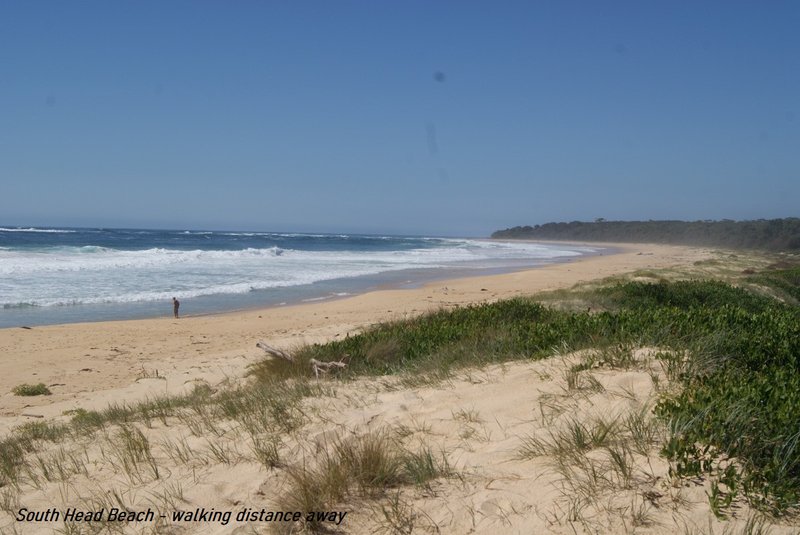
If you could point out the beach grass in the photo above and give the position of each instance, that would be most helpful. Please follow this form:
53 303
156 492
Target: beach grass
366 465
39 389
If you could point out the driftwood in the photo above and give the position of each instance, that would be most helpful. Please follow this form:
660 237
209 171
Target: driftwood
317 365
275 352
325 367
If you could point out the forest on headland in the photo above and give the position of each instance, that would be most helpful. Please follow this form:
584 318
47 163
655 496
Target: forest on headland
763 234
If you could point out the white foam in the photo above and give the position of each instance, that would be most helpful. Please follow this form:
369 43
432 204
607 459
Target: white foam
32 229
89 274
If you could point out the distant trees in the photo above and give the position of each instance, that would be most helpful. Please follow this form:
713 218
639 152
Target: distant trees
765 234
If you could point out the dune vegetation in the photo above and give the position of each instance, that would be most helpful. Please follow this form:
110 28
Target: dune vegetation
735 350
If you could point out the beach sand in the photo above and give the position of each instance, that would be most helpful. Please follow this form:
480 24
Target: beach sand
480 419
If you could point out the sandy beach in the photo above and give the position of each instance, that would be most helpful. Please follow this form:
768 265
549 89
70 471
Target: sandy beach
87 365
480 420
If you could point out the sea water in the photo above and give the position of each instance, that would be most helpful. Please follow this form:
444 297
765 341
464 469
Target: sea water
61 275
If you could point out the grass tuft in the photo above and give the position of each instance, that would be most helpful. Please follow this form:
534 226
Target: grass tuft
366 465
31 390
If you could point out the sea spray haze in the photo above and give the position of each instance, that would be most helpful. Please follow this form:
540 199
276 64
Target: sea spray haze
53 275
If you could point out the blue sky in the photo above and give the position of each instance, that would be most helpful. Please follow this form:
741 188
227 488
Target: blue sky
412 117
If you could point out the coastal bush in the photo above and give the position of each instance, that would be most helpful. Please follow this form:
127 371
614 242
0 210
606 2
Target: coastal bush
683 294
785 281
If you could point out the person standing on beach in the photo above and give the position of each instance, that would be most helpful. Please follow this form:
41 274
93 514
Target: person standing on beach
175 306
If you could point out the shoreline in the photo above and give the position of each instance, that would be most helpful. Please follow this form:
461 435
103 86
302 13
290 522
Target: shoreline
392 283
287 295
89 365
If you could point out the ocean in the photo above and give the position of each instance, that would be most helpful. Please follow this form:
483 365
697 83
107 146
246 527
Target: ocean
65 275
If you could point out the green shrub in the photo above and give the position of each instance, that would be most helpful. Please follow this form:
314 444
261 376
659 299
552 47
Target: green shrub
786 281
31 390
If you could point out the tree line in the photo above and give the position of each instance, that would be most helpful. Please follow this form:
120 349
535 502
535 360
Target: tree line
765 234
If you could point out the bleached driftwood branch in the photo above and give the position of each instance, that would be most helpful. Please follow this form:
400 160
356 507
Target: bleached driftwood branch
325 367
317 365
275 352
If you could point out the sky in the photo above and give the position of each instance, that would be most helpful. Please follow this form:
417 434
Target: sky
449 118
